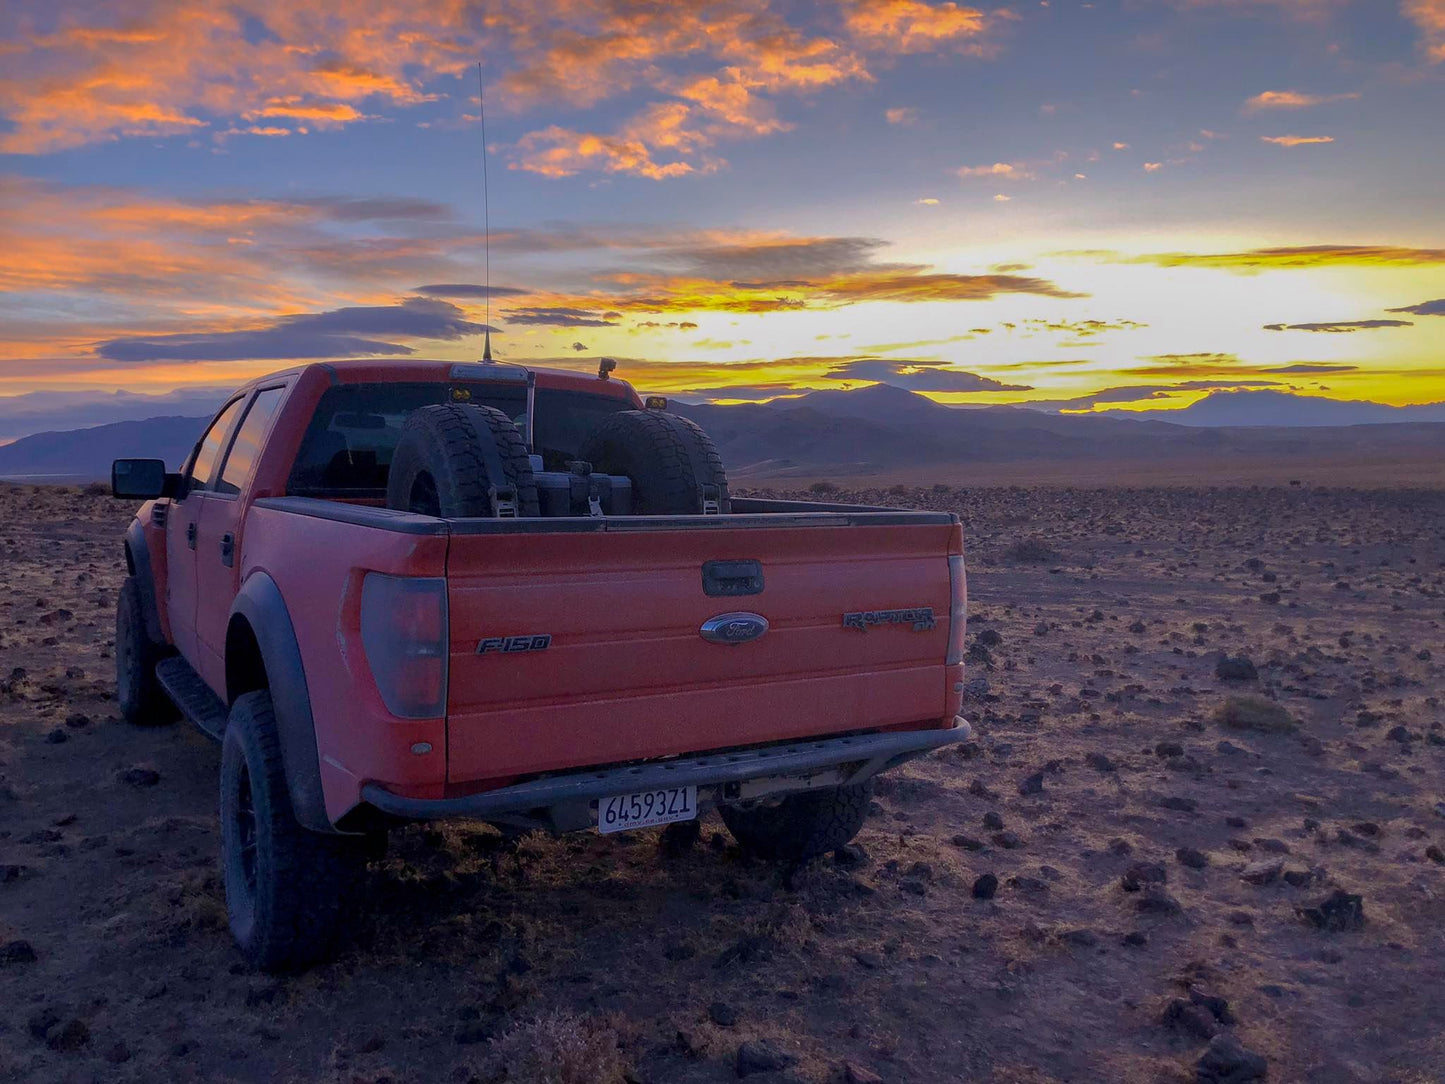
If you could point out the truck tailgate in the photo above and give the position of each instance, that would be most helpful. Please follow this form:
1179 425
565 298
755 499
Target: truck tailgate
626 673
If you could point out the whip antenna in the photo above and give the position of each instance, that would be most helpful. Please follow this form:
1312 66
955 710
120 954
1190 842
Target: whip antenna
486 213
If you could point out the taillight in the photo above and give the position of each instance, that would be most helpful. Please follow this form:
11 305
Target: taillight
404 632
957 609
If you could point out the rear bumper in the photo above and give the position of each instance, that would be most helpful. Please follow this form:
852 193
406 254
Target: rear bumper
564 802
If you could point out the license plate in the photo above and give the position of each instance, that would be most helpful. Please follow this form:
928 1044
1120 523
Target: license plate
664 805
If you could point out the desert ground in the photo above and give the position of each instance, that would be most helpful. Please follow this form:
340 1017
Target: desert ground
1133 873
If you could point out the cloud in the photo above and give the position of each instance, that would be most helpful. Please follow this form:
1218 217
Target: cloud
928 201
579 347
1424 308
1300 256
1429 17
1082 328
561 317
467 289
1293 99
911 26
905 116
330 334
1008 171
1303 367
1340 326
1296 141
934 376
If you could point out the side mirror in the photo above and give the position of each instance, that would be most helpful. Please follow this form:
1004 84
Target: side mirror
141 479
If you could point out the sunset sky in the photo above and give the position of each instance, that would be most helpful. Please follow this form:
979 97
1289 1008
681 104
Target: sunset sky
1117 203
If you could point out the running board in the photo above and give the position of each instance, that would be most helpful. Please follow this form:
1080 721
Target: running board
192 696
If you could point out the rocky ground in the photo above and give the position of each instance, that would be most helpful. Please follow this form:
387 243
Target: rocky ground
1198 838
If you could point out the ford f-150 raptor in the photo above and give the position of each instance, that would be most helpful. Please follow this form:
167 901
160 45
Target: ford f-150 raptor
408 591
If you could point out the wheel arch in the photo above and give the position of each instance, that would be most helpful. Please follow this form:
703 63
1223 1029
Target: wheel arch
138 564
268 656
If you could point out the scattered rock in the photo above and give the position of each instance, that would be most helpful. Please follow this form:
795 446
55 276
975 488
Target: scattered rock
71 1035
1238 668
1227 1062
1175 802
16 952
1262 872
1143 873
1435 854
139 777
1339 912
853 1073
722 1014
1100 763
992 820
850 856
1188 856
985 887
1155 901
1189 1019
76 720
761 1056
1168 749
968 843
56 737
1256 713
1034 784
1009 841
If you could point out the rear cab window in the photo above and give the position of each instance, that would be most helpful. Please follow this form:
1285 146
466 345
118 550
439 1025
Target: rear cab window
349 442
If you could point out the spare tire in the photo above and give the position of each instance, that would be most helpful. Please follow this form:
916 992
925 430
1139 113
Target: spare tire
459 460
674 466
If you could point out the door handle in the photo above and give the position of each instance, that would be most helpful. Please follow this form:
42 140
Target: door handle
191 534
728 578
228 549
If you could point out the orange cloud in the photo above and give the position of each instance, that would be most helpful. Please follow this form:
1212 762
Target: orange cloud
903 115
911 26
1293 99
1429 16
1296 141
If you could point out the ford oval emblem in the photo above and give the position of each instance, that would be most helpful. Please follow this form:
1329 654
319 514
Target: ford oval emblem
734 629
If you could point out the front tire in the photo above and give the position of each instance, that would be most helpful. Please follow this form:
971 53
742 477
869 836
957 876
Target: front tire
800 826
288 890
138 693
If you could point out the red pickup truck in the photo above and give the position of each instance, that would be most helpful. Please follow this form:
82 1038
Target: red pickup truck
407 591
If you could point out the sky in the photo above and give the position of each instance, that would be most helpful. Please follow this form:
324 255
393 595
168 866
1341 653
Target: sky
1118 204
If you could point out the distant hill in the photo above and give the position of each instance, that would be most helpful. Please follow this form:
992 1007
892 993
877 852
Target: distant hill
882 430
1285 409
86 454
885 430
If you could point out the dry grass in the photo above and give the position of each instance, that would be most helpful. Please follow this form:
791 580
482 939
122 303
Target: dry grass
560 1048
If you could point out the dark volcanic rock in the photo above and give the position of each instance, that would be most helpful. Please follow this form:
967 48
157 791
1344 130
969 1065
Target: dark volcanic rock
1143 873
1155 901
722 1014
986 887
1340 911
1188 856
1034 784
1227 1062
16 952
1238 668
1189 1019
139 777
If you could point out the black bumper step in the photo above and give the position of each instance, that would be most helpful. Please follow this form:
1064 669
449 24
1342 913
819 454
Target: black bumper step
192 696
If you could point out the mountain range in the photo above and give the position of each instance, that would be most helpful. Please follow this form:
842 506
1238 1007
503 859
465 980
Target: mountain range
885 431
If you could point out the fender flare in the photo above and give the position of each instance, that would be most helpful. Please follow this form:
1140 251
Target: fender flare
259 601
138 557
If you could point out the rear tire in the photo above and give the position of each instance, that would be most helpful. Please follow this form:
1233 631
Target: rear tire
138 693
288 890
668 458
446 458
800 826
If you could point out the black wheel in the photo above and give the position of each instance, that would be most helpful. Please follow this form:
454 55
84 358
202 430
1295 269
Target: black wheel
460 460
799 826
140 696
674 466
288 890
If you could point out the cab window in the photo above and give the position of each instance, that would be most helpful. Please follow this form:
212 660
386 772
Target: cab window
203 463
246 448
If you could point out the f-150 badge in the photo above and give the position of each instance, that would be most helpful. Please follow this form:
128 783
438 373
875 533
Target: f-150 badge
920 617
511 644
